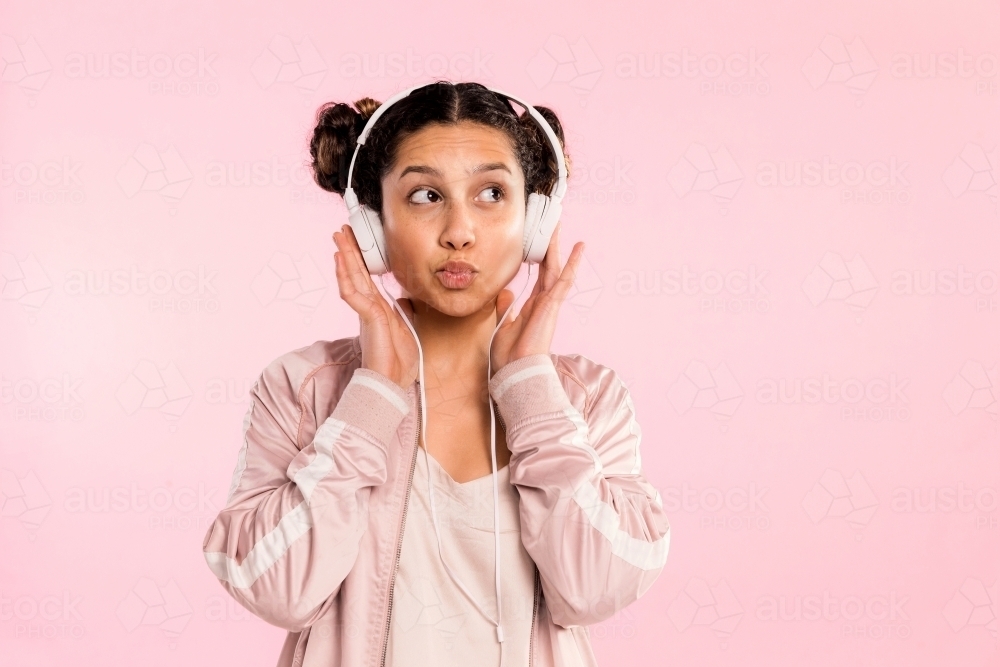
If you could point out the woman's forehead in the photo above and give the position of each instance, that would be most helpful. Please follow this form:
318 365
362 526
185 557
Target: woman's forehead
445 145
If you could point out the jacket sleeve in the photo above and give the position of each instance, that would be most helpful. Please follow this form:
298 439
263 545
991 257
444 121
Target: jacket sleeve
594 526
290 531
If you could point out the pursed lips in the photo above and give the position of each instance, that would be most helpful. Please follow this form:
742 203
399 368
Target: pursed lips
456 274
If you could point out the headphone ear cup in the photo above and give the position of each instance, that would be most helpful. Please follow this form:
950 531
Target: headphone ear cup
367 226
532 217
547 212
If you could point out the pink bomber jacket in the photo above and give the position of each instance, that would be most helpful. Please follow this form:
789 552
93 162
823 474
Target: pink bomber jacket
310 537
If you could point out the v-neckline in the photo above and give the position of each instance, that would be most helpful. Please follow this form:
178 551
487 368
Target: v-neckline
451 480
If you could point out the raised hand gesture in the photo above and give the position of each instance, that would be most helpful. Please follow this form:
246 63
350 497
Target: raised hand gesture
387 345
530 331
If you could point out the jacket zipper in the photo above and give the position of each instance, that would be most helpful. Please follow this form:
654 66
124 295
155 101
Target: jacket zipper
402 527
500 417
534 613
534 602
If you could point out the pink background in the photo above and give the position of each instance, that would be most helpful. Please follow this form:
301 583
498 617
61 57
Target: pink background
853 525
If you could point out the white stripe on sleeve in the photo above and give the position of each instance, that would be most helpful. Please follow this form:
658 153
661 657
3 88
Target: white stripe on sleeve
384 391
265 553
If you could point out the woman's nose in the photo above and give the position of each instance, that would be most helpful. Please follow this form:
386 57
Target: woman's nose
459 228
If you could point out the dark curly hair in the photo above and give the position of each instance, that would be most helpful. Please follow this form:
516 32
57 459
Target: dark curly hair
338 126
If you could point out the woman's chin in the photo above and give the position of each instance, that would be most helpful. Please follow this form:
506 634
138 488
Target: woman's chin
460 306
455 303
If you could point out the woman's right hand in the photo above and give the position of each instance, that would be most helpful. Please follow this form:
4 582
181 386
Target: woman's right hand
387 345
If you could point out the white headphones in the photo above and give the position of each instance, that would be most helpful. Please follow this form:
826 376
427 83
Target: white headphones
541 215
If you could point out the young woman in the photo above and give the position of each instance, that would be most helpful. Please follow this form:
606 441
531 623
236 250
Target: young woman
334 528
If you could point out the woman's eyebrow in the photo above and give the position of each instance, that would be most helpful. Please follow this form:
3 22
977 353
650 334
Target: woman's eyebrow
424 169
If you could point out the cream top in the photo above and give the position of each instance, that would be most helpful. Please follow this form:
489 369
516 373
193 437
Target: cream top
433 622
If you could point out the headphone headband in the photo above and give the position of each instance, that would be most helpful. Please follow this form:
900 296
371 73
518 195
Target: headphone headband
351 199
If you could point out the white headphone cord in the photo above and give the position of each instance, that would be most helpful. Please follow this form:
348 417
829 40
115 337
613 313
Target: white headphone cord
493 452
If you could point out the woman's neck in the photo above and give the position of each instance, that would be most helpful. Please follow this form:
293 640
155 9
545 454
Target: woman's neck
455 346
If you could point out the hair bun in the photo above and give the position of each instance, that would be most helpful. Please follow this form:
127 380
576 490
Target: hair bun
334 140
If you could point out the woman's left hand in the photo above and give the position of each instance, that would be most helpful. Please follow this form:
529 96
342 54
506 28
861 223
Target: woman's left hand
530 331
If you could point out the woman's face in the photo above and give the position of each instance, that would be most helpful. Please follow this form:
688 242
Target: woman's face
455 195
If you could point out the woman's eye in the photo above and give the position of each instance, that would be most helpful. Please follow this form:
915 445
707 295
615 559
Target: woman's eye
424 196
494 191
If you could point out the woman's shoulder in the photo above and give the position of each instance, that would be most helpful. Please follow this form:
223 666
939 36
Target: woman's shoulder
295 367
301 387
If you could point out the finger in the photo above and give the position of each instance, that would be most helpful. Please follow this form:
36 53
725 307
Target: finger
513 323
549 302
360 256
528 307
349 232
535 290
568 276
356 285
359 302
354 259
554 245
407 307
550 263
354 264
344 281
539 282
